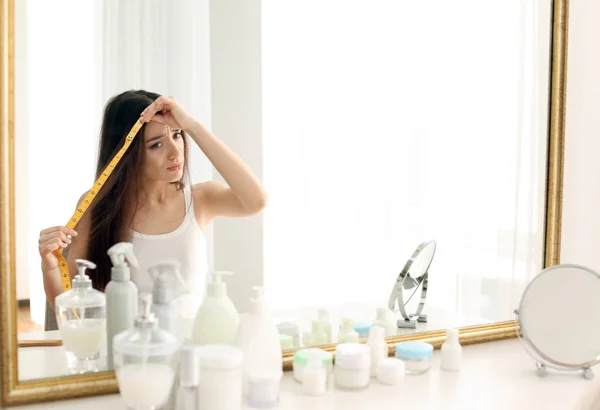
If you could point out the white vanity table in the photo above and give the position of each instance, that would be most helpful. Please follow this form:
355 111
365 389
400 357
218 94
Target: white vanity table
497 375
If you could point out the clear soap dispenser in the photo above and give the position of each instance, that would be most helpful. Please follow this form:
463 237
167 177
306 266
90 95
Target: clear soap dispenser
145 360
81 318
167 286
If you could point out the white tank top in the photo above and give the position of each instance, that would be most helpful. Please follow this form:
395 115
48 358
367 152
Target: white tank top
185 244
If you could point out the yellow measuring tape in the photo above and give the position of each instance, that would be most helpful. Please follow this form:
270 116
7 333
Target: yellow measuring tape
89 197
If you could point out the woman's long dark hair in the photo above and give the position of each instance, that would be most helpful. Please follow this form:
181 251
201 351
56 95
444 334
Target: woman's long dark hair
114 207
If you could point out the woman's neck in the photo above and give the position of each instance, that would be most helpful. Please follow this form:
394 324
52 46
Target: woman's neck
155 193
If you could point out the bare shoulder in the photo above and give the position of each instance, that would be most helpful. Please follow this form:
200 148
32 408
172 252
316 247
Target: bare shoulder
204 190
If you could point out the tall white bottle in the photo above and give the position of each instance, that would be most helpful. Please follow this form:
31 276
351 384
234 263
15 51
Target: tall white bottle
217 319
167 286
258 339
121 295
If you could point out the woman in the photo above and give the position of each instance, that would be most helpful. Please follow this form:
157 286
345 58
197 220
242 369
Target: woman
147 200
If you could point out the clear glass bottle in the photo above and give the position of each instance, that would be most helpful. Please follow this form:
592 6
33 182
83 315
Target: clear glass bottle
145 360
81 318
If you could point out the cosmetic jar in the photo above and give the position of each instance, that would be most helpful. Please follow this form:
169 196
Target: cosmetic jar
220 377
301 359
263 389
362 329
286 341
415 355
390 371
290 327
352 369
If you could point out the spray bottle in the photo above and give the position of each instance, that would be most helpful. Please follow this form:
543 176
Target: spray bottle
121 295
165 275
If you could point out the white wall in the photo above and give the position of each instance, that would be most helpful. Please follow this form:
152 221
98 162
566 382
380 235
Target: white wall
581 201
21 153
235 39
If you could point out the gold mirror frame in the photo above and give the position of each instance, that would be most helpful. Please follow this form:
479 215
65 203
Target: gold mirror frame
15 393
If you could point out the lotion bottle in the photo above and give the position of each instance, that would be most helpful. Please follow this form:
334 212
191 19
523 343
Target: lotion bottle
258 339
217 319
121 295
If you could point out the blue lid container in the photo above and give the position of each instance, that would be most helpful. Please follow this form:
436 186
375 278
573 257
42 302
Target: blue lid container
414 350
362 328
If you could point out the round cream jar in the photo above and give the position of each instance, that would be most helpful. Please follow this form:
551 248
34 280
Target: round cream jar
415 355
352 369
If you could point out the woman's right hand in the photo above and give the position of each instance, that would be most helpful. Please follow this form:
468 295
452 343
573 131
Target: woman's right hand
50 240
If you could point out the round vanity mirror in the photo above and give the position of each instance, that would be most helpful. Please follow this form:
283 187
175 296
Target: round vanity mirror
414 276
559 317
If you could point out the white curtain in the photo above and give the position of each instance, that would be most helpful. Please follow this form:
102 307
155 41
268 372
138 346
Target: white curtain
393 122
79 55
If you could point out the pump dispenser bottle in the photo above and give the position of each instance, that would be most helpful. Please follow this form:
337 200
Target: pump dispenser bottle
121 295
217 319
167 286
81 317
145 360
258 339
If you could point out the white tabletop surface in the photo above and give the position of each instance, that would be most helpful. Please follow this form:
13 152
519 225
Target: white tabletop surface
496 375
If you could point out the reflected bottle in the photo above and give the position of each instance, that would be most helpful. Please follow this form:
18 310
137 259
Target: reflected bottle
81 318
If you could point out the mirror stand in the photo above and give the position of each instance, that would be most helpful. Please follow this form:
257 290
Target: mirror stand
410 320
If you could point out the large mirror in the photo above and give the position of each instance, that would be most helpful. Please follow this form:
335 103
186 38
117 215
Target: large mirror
411 155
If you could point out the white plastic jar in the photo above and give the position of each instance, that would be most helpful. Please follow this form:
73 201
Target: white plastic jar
220 385
290 327
301 359
415 355
390 371
352 369
263 388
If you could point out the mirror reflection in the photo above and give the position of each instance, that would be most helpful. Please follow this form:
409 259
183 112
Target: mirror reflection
387 172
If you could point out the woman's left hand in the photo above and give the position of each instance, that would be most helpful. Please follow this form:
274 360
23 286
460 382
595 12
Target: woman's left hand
168 111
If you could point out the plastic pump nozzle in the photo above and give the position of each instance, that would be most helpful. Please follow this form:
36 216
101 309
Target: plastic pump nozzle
120 254
217 287
163 273
82 280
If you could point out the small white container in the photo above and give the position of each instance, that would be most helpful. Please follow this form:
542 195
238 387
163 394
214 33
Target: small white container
325 319
352 370
314 377
301 359
416 356
319 336
263 389
451 352
347 333
390 371
290 327
286 341
379 347
220 385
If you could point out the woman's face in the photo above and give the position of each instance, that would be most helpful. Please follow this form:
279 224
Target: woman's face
165 148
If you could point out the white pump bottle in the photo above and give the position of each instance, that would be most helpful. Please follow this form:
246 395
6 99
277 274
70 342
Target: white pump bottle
165 275
121 295
217 319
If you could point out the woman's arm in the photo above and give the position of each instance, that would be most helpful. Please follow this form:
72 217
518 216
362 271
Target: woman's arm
243 195
77 250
